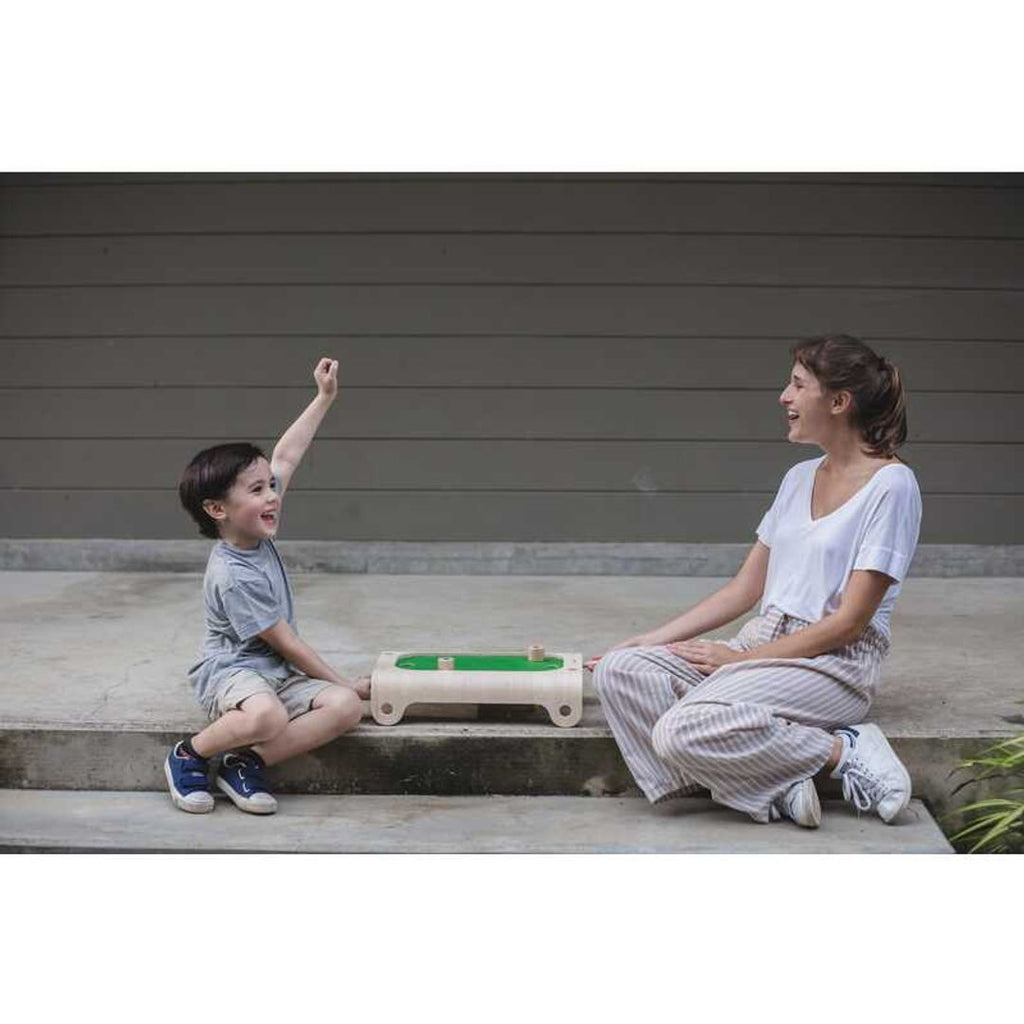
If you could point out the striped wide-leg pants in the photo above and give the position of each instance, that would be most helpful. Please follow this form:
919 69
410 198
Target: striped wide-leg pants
748 731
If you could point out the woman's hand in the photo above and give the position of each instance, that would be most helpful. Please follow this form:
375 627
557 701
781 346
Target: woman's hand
643 640
326 377
705 655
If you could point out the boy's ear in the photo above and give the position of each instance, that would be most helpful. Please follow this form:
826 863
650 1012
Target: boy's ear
215 510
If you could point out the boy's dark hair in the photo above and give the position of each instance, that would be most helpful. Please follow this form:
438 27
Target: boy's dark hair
209 477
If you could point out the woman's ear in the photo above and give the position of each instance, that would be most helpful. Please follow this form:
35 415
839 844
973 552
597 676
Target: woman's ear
839 402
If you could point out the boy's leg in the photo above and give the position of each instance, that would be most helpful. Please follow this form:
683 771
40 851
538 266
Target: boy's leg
251 712
255 724
258 718
332 711
318 712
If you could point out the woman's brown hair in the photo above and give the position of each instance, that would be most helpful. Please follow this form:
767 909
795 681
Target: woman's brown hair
841 362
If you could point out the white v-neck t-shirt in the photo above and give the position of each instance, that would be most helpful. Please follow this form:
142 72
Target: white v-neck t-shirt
811 559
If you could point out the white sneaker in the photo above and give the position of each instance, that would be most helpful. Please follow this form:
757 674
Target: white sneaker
800 804
874 778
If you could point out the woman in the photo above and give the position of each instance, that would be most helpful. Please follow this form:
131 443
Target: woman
754 719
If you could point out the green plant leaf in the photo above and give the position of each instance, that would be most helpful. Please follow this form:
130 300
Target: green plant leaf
1001 819
987 821
979 805
999 830
982 823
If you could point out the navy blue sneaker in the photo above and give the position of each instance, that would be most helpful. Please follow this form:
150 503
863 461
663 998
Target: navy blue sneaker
187 781
241 777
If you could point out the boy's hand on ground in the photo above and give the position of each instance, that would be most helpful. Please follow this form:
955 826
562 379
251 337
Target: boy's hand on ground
361 684
326 377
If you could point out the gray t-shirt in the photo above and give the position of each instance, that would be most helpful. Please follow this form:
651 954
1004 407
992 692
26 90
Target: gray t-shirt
244 592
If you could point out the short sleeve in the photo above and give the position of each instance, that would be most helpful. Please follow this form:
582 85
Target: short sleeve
250 605
891 536
769 521
766 528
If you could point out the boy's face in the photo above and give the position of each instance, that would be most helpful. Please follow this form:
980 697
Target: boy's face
248 513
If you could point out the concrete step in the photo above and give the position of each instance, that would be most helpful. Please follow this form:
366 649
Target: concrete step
506 752
513 754
64 821
93 690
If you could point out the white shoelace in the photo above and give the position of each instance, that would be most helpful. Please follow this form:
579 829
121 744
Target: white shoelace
860 786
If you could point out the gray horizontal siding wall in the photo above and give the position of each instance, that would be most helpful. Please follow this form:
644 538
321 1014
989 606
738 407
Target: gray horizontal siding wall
522 358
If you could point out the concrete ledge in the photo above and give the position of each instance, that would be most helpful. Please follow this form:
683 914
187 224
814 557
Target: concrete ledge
443 558
93 688
418 759
421 758
148 823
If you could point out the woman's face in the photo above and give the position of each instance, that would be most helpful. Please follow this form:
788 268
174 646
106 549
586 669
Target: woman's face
807 407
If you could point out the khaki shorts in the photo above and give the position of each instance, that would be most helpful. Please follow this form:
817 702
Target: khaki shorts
296 692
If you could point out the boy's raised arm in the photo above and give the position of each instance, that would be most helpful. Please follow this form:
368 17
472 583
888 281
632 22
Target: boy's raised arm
296 439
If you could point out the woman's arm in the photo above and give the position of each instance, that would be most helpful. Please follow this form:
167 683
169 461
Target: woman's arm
861 598
736 598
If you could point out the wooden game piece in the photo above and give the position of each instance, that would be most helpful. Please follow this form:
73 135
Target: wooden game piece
445 664
536 652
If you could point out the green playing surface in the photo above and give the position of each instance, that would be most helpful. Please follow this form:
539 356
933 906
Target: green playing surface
480 662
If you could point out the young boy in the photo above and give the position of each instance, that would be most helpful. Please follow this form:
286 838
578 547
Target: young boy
268 694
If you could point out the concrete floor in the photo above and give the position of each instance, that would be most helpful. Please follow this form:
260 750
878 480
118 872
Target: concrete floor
36 821
110 649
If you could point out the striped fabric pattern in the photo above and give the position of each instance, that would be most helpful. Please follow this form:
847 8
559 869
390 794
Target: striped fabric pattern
746 732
